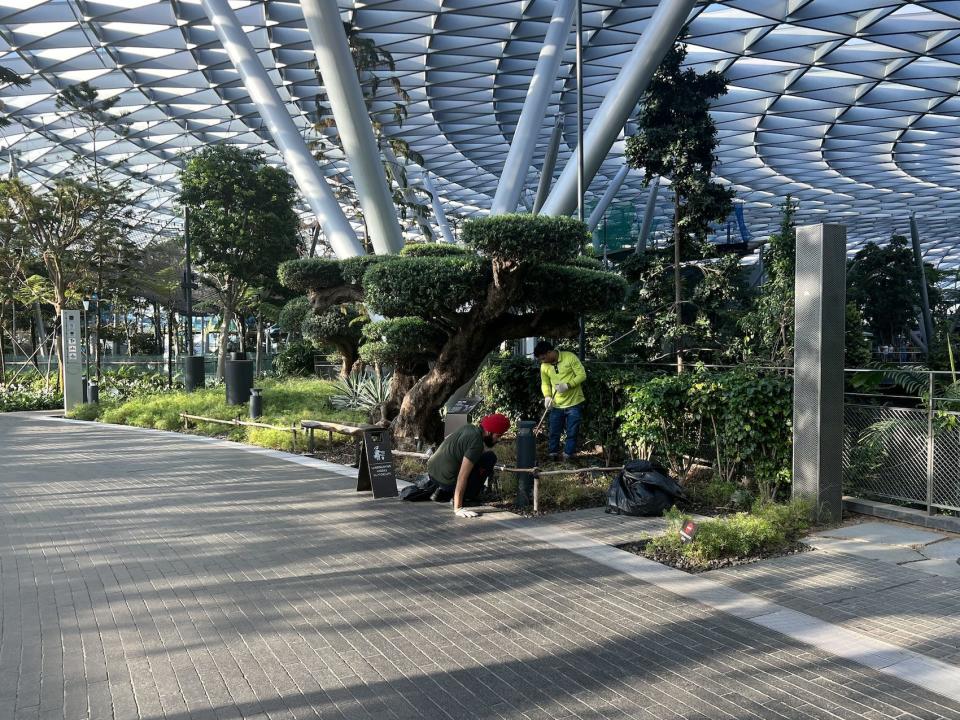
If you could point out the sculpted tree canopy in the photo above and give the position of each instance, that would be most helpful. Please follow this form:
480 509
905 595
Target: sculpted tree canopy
517 276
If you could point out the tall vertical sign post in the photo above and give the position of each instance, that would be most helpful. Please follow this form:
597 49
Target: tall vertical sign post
73 359
818 368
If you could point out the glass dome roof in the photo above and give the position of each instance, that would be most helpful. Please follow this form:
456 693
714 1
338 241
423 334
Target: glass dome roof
850 106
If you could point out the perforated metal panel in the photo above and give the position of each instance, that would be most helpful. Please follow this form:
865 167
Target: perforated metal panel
818 367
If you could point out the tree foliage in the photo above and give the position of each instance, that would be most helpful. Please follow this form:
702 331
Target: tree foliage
242 223
677 139
884 284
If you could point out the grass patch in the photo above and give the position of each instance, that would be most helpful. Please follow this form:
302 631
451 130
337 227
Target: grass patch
769 529
285 401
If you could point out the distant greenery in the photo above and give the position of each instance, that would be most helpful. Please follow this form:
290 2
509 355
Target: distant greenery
285 403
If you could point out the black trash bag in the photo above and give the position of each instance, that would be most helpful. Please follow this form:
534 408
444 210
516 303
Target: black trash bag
421 489
642 488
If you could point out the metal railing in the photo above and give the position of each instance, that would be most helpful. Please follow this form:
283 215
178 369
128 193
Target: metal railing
904 448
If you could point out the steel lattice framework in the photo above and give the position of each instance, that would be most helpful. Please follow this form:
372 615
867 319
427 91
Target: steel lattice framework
851 106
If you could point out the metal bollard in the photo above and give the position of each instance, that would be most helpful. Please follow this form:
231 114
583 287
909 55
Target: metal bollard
93 392
526 458
256 403
83 380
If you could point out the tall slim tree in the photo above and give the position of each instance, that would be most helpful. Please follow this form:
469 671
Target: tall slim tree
677 140
242 224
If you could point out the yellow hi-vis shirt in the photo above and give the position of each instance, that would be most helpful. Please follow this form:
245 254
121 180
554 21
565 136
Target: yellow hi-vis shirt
567 370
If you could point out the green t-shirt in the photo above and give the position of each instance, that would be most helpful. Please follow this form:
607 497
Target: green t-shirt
444 465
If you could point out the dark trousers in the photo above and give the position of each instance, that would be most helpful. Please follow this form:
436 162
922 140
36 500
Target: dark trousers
482 470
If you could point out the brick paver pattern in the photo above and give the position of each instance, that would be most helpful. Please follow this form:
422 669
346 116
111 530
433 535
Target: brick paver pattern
157 577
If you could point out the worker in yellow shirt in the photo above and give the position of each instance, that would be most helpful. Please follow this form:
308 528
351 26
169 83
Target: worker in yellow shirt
561 378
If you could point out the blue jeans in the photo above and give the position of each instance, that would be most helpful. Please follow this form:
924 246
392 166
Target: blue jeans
569 417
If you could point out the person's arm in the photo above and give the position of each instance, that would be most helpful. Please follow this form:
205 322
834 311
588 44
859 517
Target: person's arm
466 467
579 374
546 386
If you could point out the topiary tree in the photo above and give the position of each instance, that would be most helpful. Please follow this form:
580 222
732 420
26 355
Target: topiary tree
516 278
340 326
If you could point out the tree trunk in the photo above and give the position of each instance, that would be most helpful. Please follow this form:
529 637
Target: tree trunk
258 356
403 380
676 283
349 356
157 334
170 348
224 338
3 359
97 352
38 326
461 357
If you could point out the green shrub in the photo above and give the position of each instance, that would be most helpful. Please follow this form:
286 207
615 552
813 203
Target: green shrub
295 360
661 421
510 384
740 419
528 238
15 398
766 529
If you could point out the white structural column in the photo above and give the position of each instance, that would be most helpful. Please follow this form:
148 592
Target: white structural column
612 189
549 163
648 216
336 228
437 207
534 108
353 123
622 98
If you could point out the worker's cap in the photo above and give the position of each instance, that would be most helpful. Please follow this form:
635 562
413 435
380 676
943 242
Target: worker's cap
496 424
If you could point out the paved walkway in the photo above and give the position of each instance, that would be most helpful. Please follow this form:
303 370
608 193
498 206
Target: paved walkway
155 576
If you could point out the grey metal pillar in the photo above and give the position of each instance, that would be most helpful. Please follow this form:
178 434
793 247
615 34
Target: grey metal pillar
437 207
353 123
648 216
549 163
818 368
658 37
612 189
534 109
283 130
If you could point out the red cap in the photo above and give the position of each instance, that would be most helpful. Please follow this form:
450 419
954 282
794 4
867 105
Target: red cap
496 424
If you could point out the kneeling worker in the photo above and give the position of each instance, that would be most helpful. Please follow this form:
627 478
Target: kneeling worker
461 465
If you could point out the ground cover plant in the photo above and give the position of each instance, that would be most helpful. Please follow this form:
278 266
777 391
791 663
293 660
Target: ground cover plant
768 530
285 402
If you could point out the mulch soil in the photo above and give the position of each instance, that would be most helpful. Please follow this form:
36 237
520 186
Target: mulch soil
689 565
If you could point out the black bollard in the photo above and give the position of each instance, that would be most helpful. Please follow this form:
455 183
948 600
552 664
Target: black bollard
93 392
256 403
526 458
193 373
83 380
238 377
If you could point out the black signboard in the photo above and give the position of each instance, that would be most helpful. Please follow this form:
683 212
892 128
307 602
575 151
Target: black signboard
376 465
464 406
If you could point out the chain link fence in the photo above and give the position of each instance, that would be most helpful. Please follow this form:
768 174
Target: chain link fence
904 454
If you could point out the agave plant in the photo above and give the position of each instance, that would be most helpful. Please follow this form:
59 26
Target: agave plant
361 391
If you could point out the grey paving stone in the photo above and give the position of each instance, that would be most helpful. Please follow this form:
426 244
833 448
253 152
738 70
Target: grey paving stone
883 534
186 580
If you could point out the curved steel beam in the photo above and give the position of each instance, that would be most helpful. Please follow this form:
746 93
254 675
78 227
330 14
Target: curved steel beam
336 227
